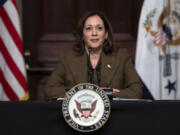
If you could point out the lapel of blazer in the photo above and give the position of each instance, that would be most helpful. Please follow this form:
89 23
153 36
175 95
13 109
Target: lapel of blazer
78 66
108 68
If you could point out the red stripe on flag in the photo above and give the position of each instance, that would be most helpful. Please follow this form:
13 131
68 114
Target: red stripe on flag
15 70
7 89
14 2
16 38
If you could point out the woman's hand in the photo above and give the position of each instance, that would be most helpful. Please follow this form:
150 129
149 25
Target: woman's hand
114 90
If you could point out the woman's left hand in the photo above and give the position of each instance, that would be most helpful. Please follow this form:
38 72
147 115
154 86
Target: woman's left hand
115 90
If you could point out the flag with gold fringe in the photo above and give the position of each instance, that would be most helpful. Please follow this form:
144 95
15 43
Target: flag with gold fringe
159 65
13 85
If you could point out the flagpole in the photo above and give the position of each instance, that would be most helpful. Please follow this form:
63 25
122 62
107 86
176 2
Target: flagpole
160 74
176 69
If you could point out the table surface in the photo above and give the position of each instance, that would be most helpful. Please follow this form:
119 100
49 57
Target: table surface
126 118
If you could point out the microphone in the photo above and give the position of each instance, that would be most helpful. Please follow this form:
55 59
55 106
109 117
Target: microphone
89 59
89 66
108 91
90 50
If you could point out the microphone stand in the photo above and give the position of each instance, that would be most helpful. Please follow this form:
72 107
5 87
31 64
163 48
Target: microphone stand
108 91
89 66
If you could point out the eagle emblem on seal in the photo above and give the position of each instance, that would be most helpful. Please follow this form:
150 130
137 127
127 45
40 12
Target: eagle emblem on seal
85 108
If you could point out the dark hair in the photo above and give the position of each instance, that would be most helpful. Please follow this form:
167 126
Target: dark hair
108 43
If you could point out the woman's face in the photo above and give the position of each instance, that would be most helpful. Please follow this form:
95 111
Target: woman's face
94 32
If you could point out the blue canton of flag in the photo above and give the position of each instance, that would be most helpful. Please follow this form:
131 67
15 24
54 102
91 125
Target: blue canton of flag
2 2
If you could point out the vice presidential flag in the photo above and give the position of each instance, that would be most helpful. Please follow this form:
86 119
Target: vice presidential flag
159 66
12 69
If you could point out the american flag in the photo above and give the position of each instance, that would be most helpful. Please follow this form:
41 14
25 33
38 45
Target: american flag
13 84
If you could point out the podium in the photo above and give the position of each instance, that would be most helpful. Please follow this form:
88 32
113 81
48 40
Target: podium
126 118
